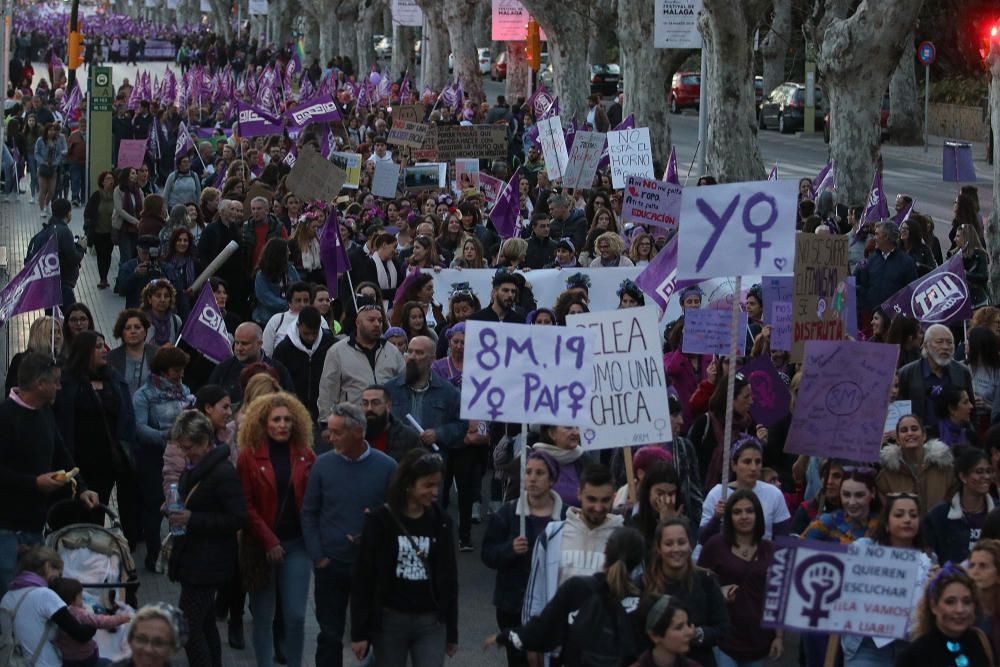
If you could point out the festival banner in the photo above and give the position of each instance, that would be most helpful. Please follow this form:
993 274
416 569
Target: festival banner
510 22
649 202
820 293
940 297
35 286
407 13
675 24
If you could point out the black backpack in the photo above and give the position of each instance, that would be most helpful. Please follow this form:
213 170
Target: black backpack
600 634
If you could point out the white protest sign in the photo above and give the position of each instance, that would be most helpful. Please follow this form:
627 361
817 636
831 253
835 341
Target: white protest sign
257 7
386 179
737 229
628 387
649 202
675 24
510 22
630 155
522 373
857 589
550 136
584 159
897 410
407 13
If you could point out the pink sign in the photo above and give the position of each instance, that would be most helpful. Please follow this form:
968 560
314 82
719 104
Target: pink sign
131 153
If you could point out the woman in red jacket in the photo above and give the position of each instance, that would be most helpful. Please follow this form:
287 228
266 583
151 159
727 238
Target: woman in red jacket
275 442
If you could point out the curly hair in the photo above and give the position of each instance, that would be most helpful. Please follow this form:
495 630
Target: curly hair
155 286
615 243
949 574
253 433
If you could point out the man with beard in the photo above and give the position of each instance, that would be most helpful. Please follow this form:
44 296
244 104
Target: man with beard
383 431
247 350
502 300
935 368
433 401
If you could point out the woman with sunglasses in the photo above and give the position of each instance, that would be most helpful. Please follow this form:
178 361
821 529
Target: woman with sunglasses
945 632
404 597
898 527
954 527
915 464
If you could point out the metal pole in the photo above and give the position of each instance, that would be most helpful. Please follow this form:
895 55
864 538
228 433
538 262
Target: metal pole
702 116
5 31
927 101
736 335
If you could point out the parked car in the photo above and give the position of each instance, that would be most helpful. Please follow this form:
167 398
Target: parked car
784 109
498 70
604 78
483 55
883 121
383 46
685 91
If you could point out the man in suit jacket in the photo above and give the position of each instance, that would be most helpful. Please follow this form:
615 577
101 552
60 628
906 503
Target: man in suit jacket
887 270
936 366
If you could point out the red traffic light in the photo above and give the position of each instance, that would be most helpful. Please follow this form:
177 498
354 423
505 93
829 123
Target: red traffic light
990 37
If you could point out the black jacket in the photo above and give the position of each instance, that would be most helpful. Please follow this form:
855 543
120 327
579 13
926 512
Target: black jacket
574 226
377 562
400 439
306 369
214 238
227 376
206 554
540 252
65 410
880 277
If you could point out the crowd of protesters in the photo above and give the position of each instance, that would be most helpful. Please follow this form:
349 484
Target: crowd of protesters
296 467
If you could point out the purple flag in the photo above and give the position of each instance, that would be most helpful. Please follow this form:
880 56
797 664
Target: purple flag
306 89
531 134
404 91
940 297
659 279
72 102
452 96
205 328
904 215
670 175
36 286
569 134
540 101
507 209
184 142
383 89
877 208
320 109
255 122
627 124
771 398
773 176
332 254
825 179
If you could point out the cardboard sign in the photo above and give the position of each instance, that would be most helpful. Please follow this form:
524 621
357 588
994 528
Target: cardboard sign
820 297
131 153
675 24
386 179
858 589
478 141
649 202
425 176
520 373
405 133
629 152
708 331
628 389
351 164
778 288
771 398
738 229
550 136
314 177
781 322
583 158
411 113
842 400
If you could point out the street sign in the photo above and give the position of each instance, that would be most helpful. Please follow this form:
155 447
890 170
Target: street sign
926 53
100 99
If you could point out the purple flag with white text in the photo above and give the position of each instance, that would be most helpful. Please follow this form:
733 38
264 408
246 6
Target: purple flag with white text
825 179
320 109
36 286
205 327
255 122
184 141
940 297
904 214
773 176
505 212
877 207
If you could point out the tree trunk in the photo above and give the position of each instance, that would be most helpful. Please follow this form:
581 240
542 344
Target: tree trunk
646 96
566 30
220 16
434 52
993 228
856 54
483 24
460 16
602 28
403 39
518 72
774 47
347 17
727 26
370 14
906 110
311 38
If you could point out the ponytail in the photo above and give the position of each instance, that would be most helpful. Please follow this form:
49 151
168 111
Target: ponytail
622 554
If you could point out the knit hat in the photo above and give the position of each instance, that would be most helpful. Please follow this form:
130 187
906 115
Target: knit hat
647 456
392 332
550 463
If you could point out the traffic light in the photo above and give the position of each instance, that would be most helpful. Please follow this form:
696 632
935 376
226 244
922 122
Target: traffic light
534 46
74 50
989 37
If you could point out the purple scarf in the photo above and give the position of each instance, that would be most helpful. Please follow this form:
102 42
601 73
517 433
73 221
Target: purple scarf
28 580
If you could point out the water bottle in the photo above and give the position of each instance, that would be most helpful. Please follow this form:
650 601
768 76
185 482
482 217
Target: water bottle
174 504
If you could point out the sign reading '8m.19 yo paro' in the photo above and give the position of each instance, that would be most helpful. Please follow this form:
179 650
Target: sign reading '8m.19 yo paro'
858 589
521 373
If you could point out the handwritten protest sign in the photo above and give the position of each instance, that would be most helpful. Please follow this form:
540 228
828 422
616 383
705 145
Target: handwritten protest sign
940 297
707 330
583 159
771 398
842 399
897 410
550 136
649 202
406 133
781 325
737 229
351 164
630 155
412 113
777 288
858 589
131 153
519 373
628 389
314 177
820 289
386 179
479 141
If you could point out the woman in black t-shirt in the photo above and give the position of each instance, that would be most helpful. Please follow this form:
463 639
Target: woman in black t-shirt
404 598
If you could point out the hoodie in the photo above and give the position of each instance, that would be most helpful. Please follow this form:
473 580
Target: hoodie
305 364
930 477
278 328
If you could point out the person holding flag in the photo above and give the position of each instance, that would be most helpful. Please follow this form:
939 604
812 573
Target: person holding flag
887 270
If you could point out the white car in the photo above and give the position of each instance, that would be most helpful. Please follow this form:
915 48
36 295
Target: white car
483 56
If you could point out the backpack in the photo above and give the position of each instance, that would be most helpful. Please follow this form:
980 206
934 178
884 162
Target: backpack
12 654
600 634
38 241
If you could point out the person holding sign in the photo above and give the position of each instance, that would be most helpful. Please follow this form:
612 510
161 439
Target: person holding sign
562 444
944 633
707 432
915 465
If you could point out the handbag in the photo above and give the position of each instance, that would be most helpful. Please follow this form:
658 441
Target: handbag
168 543
46 170
255 570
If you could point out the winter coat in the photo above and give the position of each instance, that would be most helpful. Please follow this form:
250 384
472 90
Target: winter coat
305 364
947 532
64 408
930 482
227 376
261 489
912 387
347 371
270 294
574 226
440 406
977 268
205 555
881 277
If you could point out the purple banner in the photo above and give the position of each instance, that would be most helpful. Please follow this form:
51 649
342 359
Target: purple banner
205 328
877 208
940 297
771 398
320 109
36 286
507 210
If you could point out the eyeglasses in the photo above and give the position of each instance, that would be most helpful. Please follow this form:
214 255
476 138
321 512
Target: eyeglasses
152 642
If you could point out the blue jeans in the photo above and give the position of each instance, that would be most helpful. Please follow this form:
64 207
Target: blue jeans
723 660
419 637
9 541
333 592
9 171
33 174
76 181
292 575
